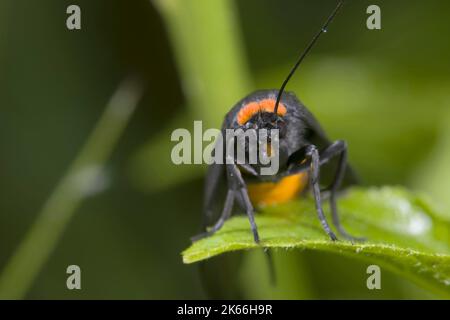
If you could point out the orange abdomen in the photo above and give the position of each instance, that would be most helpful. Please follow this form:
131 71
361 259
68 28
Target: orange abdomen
269 193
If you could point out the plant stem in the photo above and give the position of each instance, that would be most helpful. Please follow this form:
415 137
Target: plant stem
210 57
78 183
209 52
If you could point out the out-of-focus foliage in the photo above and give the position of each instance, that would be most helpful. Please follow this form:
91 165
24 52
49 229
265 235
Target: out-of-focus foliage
434 175
85 177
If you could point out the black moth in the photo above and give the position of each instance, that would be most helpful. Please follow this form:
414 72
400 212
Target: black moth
306 157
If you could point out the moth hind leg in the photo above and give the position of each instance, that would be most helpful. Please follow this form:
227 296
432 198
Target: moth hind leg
338 148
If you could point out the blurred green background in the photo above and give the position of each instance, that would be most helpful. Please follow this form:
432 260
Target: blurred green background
387 92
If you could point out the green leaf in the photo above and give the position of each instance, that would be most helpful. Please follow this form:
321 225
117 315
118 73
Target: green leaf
405 234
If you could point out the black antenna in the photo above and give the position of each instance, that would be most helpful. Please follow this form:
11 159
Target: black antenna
305 52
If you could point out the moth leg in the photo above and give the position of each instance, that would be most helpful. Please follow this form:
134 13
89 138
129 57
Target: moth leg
249 169
313 154
338 148
238 184
226 213
250 213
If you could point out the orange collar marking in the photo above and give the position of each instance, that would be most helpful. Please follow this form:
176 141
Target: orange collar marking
265 105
